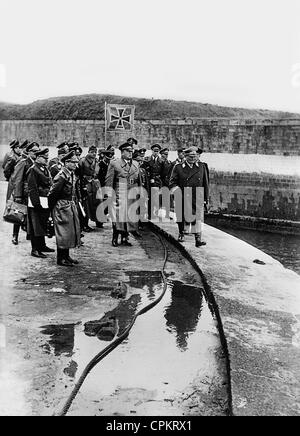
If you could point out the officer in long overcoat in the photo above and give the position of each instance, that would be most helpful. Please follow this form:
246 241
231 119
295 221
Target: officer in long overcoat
19 182
123 178
87 172
189 201
39 183
62 202
154 168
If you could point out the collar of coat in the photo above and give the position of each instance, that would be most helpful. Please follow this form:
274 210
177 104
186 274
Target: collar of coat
132 164
184 164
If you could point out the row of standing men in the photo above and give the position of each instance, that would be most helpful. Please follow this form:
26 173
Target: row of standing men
71 182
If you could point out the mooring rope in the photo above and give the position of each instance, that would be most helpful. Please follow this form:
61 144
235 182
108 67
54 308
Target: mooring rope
117 340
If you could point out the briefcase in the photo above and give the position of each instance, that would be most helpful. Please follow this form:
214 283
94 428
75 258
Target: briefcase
15 213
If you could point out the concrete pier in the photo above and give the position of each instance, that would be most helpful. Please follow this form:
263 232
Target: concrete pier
258 307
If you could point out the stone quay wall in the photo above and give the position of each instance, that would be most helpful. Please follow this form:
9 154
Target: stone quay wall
257 195
272 194
258 136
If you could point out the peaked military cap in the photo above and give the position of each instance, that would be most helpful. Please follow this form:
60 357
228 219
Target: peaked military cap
124 146
42 152
71 156
15 143
109 151
61 151
63 144
31 145
155 146
137 153
165 150
132 141
25 143
190 150
92 147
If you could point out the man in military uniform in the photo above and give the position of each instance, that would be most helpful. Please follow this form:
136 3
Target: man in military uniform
12 159
132 142
9 153
189 176
199 152
154 167
39 183
55 164
108 155
62 202
166 168
19 183
123 177
139 156
87 172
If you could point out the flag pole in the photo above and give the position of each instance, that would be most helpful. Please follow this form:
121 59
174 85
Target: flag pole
105 126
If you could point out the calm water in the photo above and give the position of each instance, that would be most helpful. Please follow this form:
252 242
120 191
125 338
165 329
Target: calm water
284 248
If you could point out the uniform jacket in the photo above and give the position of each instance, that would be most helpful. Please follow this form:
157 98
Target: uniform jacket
87 172
185 176
6 157
55 166
64 210
103 167
39 183
154 168
9 167
88 168
122 176
167 168
19 181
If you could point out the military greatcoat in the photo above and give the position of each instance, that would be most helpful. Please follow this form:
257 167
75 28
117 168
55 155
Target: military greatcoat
191 177
39 183
123 176
62 197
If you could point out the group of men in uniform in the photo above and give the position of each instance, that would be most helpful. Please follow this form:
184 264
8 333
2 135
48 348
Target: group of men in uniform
70 188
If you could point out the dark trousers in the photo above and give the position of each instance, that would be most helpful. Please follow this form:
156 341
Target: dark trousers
62 253
16 230
181 227
37 243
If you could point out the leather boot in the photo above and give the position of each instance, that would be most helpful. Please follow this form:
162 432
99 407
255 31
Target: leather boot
15 240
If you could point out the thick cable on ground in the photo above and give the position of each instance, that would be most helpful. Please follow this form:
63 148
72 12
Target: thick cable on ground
116 341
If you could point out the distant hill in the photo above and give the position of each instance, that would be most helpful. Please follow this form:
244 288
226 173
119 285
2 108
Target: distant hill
91 107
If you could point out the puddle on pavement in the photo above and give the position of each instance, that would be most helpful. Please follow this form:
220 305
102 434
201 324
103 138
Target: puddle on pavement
167 347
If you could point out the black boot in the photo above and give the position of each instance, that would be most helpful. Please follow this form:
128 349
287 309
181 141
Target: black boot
62 257
198 242
125 241
114 241
15 240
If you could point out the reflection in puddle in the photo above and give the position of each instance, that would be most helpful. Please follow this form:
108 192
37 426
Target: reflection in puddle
183 313
61 338
178 316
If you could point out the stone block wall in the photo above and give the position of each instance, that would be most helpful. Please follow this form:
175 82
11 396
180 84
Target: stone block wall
234 192
255 194
279 137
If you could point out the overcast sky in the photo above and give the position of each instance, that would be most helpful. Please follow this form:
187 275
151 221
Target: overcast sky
230 52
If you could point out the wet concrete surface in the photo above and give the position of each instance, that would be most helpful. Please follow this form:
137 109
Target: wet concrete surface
171 363
259 308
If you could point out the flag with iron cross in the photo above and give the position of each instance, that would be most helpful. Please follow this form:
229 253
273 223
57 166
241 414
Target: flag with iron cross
119 117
